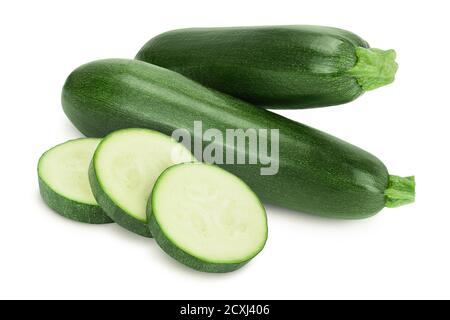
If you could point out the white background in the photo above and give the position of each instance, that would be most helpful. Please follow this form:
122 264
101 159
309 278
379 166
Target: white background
400 253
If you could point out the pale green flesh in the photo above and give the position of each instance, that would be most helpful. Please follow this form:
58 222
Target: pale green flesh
64 169
209 213
128 162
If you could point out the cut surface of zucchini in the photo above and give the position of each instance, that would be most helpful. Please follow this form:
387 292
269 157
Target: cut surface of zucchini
64 183
124 169
207 218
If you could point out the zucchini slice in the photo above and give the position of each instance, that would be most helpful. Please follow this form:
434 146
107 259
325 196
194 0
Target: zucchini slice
64 183
124 168
206 218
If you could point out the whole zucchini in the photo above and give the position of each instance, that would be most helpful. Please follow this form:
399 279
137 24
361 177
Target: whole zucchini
317 174
275 66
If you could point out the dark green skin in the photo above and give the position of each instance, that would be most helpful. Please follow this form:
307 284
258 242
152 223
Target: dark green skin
275 67
318 173
74 210
117 214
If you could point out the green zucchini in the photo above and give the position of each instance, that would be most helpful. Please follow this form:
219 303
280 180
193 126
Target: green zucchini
318 173
275 66
123 170
206 218
64 184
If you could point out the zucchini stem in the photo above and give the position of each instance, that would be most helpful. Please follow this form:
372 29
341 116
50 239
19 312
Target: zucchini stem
400 191
375 68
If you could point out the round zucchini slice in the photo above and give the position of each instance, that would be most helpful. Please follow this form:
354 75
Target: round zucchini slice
124 169
206 218
64 183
